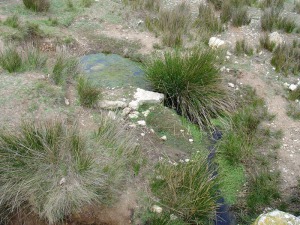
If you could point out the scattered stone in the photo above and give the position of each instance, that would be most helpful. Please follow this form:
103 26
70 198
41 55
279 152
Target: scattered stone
134 115
126 111
112 105
187 160
293 87
181 131
215 42
143 134
145 97
112 115
277 217
67 102
141 122
231 85
62 181
132 125
286 85
156 209
276 38
164 138
146 113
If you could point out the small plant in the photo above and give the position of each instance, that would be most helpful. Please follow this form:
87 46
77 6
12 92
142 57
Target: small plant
70 5
269 18
226 12
277 4
64 67
240 17
191 84
37 5
295 95
189 190
86 3
12 21
52 22
34 59
11 60
32 31
88 94
241 47
207 20
287 24
265 42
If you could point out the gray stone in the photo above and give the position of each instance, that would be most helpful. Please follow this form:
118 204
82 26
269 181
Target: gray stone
215 42
112 105
145 97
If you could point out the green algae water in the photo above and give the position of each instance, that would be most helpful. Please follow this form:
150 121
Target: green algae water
111 70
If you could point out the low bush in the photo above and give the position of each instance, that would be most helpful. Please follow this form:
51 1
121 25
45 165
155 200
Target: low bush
241 47
55 171
265 42
12 21
88 94
64 68
189 190
37 5
11 60
191 83
240 16
207 21
32 31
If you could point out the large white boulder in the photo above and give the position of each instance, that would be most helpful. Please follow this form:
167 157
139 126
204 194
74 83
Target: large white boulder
215 42
277 217
142 96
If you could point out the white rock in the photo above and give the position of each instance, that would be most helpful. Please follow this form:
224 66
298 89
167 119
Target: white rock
164 138
173 217
187 160
67 101
142 96
156 209
126 111
134 115
112 105
143 134
112 115
146 113
132 125
286 85
141 122
62 181
191 140
293 87
215 42
231 85
276 38
277 217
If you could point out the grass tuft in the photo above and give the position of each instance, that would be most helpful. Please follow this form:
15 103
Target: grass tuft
293 110
287 24
12 21
11 60
88 94
269 19
265 42
241 47
191 83
87 3
297 6
37 5
278 4
64 68
240 16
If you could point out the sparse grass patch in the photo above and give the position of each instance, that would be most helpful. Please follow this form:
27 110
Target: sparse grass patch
78 171
226 11
297 6
240 16
12 21
294 95
241 47
287 24
188 189
11 60
269 19
37 5
278 4
265 42
34 59
87 3
191 84
150 5
216 3
88 94
293 110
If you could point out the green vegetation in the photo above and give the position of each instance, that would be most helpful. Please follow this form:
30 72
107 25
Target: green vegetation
265 42
286 58
10 60
12 21
241 47
51 168
293 110
297 6
150 5
269 19
88 94
278 4
87 3
287 24
226 11
188 189
191 84
294 95
240 16
37 5
34 59
164 219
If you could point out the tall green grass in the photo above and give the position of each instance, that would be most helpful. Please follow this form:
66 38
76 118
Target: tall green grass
12 21
88 94
55 171
64 67
191 83
10 60
240 16
37 5
242 47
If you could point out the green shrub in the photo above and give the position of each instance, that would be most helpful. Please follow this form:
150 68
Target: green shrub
37 5
269 18
287 24
11 60
88 94
207 20
263 188
189 190
52 169
241 47
12 21
240 17
265 42
64 68
191 84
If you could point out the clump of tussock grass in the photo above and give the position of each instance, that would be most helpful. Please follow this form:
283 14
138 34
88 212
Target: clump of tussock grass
188 189
266 43
287 24
216 3
240 16
242 47
294 95
87 3
34 59
37 5
269 19
11 60
32 31
54 170
226 11
150 5
172 24
88 94
286 58
207 20
12 21
191 83
293 110
64 68
278 4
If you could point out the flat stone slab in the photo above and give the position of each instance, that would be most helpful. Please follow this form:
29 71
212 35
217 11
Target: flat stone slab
142 96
